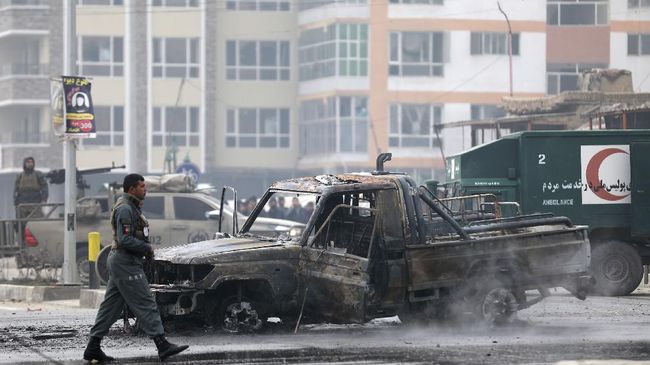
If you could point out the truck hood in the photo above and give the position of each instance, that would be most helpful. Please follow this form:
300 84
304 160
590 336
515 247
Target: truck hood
222 250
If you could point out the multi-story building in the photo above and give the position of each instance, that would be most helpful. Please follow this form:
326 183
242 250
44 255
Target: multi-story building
385 76
256 90
24 85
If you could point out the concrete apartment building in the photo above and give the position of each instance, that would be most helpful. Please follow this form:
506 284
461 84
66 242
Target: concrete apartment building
256 90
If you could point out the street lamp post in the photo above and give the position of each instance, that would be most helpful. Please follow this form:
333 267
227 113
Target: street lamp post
509 45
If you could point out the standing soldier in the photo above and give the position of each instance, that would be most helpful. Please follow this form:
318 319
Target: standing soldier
30 187
127 282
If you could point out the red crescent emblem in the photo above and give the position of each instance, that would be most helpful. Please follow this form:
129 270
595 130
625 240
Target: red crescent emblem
593 177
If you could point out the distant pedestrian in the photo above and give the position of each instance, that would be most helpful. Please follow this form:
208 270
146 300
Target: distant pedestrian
282 208
127 282
274 209
296 213
309 210
242 208
30 187
251 204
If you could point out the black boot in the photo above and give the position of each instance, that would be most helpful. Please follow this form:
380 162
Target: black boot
167 349
94 352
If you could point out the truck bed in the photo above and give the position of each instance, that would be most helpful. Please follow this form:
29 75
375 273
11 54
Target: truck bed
534 259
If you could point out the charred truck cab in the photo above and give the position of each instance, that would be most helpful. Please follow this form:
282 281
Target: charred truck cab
375 245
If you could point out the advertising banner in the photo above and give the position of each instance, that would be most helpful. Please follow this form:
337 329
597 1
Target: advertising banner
56 106
78 107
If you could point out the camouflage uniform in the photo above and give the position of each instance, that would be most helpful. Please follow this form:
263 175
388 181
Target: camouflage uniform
128 283
30 187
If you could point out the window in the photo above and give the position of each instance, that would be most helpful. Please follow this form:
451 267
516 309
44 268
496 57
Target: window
577 12
257 60
258 5
486 111
27 130
257 128
175 126
493 43
338 49
310 4
338 124
101 2
175 57
413 125
154 207
190 209
425 2
109 124
631 4
416 54
638 44
101 56
564 76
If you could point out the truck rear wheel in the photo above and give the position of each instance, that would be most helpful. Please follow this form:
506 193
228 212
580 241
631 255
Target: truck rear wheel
101 266
83 266
616 267
494 302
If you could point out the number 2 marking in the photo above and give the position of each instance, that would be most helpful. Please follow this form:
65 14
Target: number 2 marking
542 159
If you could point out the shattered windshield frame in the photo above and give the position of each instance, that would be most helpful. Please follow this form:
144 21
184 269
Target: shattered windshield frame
262 209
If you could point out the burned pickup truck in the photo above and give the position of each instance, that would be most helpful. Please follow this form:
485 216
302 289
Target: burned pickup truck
375 245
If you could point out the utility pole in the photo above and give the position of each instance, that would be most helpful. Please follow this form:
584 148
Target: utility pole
70 272
131 85
509 44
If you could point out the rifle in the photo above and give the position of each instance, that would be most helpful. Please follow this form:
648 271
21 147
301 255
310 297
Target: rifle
58 176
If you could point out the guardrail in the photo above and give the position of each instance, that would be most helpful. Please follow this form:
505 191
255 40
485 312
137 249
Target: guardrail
12 231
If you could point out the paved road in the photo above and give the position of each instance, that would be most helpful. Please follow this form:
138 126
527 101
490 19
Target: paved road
560 328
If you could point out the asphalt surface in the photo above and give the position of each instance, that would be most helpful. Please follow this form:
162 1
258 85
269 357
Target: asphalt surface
559 328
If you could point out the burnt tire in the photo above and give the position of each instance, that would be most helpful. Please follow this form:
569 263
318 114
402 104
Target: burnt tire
83 264
235 315
616 268
101 265
494 302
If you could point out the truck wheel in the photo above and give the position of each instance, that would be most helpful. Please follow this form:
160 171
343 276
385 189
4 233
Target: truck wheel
495 303
238 316
616 267
101 266
83 267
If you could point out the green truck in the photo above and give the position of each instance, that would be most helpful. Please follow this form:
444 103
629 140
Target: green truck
595 178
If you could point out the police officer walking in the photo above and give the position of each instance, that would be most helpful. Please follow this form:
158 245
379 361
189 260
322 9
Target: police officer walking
30 187
127 282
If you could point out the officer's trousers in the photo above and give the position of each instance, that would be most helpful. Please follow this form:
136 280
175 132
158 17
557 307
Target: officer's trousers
127 284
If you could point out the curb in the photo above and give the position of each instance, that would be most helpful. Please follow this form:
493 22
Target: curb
37 294
603 362
91 298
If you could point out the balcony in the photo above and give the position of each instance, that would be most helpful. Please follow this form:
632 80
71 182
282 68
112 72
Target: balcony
21 69
24 16
24 89
22 138
23 3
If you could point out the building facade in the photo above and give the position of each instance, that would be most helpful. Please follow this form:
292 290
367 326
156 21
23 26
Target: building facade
256 90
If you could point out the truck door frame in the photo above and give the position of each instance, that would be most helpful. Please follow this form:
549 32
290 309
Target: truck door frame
335 282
